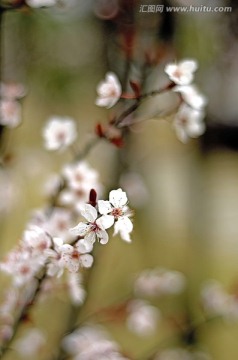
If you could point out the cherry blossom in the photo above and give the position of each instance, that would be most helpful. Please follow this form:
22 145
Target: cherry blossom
142 318
188 123
182 72
109 91
59 133
158 282
92 229
80 179
192 96
115 211
73 258
26 260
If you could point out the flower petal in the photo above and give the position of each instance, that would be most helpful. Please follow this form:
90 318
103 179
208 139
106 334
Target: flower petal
89 212
124 227
102 236
105 221
118 198
80 230
83 247
104 207
86 260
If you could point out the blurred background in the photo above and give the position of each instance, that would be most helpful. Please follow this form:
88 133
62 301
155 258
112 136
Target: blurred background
185 197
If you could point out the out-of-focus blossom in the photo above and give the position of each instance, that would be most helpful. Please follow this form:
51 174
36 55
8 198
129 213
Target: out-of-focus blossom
57 224
12 91
10 108
80 179
59 133
92 229
115 211
31 343
24 261
73 258
41 3
192 96
182 72
142 318
89 343
10 113
217 301
188 123
76 291
109 91
158 282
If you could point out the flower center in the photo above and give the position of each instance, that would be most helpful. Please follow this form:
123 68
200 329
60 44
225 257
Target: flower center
117 212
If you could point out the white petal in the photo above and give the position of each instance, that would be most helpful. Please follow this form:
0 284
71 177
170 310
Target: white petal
89 212
188 65
73 265
58 242
170 69
124 227
105 221
104 207
80 230
118 198
103 236
86 260
90 239
84 248
66 249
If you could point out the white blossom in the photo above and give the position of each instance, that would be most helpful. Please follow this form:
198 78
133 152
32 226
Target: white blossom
73 259
92 229
80 179
115 211
109 91
188 123
192 97
182 72
24 261
59 133
142 317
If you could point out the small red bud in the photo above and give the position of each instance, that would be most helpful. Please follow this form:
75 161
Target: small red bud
93 197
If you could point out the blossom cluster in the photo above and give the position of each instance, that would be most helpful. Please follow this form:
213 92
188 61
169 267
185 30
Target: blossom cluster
108 213
188 121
